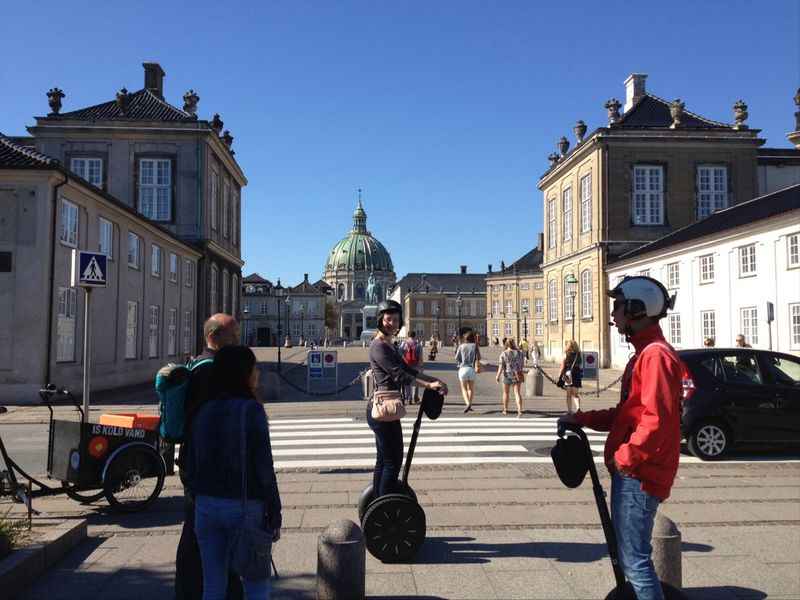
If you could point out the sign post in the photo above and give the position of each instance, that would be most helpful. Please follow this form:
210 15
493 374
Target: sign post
89 270
591 369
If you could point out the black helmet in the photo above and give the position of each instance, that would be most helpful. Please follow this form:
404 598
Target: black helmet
388 306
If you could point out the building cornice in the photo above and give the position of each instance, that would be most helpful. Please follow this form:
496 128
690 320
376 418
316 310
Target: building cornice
219 250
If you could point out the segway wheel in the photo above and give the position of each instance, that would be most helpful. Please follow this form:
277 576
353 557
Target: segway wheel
394 528
627 593
367 496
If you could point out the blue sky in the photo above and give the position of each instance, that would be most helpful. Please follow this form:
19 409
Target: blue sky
443 112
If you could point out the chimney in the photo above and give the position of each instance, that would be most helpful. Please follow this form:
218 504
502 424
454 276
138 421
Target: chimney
463 269
305 277
541 241
634 89
154 78
490 268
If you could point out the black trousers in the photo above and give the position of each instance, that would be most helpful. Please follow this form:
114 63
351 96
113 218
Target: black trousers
188 566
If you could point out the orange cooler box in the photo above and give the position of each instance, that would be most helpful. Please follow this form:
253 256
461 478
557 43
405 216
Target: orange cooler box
131 421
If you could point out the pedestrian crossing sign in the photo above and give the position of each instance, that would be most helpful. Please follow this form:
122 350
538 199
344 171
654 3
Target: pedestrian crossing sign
92 269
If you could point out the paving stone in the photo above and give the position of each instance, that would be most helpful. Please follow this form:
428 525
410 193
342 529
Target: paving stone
456 581
390 585
546 584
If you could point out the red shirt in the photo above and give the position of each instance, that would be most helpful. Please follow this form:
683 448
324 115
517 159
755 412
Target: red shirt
644 428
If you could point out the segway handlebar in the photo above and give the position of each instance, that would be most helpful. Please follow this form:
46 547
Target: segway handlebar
574 428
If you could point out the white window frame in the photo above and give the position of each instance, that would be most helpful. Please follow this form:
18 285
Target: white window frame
586 203
712 189
586 294
708 324
155 260
675 336
226 283
552 298
70 220
794 325
538 305
566 207
419 307
154 324
172 331
188 273
525 306
495 307
538 328
495 328
105 237
747 261
134 241
173 267
89 168
748 324
131 330
155 177
226 208
552 230
214 195
673 275
648 195
793 250
509 307
212 290
508 329
569 302
187 331
66 323
706 269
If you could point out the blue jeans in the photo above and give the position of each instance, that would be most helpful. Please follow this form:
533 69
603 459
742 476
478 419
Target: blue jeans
217 521
633 512
389 449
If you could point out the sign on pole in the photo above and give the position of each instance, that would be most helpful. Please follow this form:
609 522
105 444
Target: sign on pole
91 269
590 365
315 364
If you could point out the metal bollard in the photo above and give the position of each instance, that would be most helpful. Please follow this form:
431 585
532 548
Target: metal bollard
341 562
538 383
667 551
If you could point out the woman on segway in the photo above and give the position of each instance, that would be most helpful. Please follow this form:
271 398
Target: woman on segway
391 374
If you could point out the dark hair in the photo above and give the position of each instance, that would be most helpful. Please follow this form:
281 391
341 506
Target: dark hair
412 334
470 337
230 375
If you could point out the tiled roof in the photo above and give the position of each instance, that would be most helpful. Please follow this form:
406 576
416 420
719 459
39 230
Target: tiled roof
763 207
322 286
16 156
255 278
143 105
528 264
445 282
305 288
652 111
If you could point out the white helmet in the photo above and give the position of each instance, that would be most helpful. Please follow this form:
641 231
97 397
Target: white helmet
644 297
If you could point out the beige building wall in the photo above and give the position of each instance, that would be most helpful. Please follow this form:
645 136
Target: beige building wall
506 299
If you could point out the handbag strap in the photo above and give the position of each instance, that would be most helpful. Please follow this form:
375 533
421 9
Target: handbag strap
243 446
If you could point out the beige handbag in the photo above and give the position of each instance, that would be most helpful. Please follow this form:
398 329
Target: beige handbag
387 405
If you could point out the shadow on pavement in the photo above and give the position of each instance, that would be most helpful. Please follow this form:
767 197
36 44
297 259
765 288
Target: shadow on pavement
724 592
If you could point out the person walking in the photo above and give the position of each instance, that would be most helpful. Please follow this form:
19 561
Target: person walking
390 374
411 350
467 356
219 331
216 471
511 369
523 346
571 375
434 348
644 439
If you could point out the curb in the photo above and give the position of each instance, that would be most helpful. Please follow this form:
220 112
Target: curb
22 567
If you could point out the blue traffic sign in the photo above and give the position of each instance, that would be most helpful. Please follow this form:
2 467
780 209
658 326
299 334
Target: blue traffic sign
92 269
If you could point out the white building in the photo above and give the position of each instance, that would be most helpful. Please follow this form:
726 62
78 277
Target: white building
736 271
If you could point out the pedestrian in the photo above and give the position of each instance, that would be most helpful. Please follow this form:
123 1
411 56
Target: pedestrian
741 343
215 469
468 356
511 369
524 348
434 348
219 331
390 374
571 374
536 355
708 342
644 439
412 352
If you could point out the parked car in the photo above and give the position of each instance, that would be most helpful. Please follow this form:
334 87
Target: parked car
734 396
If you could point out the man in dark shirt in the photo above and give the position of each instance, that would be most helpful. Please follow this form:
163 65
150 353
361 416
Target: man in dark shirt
220 330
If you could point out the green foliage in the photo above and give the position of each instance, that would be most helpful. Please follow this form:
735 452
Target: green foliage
11 529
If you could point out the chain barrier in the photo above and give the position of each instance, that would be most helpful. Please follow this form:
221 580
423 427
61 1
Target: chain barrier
583 391
354 381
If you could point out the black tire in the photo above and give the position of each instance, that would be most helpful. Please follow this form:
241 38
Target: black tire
710 440
82 496
394 528
627 593
367 497
134 479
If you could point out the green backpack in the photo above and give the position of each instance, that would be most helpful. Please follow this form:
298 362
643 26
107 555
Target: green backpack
172 387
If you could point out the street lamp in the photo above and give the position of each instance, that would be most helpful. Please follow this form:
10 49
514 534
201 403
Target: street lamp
459 302
245 318
524 321
278 292
572 290
288 318
436 313
302 328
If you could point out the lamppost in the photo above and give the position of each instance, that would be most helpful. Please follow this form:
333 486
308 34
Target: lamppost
572 290
459 302
302 318
245 317
288 318
278 292
436 313
524 321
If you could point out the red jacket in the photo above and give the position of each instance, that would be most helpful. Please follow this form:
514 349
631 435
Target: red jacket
644 428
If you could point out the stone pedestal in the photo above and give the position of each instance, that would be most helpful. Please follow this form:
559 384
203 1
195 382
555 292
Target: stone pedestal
369 320
667 550
341 562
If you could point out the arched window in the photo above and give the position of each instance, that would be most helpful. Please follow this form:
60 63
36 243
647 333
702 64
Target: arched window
552 299
359 291
586 294
340 291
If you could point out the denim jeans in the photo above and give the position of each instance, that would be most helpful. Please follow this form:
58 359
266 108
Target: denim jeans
217 521
633 512
389 449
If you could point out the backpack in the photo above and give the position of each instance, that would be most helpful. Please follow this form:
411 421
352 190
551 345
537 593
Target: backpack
172 386
411 353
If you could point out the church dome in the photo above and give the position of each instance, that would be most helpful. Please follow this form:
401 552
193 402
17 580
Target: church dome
359 251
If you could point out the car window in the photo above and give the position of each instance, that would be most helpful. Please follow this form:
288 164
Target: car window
741 367
705 368
782 371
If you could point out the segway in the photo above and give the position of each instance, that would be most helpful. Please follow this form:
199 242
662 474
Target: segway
572 458
394 524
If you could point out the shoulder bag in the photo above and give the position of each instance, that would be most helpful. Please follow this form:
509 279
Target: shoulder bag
252 546
387 405
567 376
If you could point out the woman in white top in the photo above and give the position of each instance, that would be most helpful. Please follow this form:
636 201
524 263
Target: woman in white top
467 356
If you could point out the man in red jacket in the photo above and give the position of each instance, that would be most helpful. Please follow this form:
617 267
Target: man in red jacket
643 444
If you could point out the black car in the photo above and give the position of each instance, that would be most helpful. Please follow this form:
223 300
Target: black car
737 396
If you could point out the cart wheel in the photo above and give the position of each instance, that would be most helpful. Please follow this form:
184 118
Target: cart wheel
134 478
84 497
367 496
394 528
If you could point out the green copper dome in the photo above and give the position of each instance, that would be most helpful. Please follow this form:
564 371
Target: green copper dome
359 251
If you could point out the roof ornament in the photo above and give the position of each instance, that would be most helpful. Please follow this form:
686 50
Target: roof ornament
580 131
216 124
190 100
553 158
676 109
740 114
227 138
563 146
123 100
613 106
797 114
502 265
54 96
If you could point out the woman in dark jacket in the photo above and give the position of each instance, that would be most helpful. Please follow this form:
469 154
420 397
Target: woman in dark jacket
390 373
215 470
572 383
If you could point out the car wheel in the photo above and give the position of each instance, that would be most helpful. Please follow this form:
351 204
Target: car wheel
709 440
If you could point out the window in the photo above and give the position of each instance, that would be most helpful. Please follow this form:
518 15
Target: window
225 291
155 260
675 329
134 250
69 223
648 195
296 331
794 320
235 218
131 330
495 329
509 307
525 306
538 328
552 297
451 328
360 291
586 203
748 321
712 189
420 307
172 331
783 371
747 261
452 309
173 267
538 285
420 331
673 275
708 321
741 367
645 272
155 188
212 290
67 300
226 208
586 294
538 304
105 236
525 286
214 198
495 307
187 332
91 169
507 329
567 207
569 302
435 307
155 317
551 223
235 291
793 248
707 268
